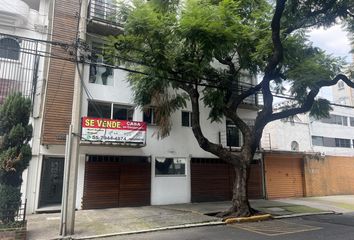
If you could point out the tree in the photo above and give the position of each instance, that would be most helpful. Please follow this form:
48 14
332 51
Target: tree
15 152
202 50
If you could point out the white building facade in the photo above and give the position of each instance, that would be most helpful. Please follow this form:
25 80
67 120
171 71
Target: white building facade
330 136
24 27
122 173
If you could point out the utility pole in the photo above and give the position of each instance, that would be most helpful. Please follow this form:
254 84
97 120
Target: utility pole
73 141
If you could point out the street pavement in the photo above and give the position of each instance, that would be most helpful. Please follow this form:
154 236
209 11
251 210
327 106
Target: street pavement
321 227
115 221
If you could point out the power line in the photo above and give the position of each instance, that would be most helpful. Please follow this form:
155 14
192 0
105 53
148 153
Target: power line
67 46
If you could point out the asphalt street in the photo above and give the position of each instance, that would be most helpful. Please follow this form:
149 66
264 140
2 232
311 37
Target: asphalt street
323 227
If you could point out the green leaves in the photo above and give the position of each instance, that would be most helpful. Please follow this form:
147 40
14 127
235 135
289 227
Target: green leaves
15 151
320 109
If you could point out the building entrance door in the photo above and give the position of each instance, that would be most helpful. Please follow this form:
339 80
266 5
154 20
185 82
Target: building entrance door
51 186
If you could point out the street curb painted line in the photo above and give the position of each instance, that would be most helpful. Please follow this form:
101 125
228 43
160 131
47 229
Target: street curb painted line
214 223
256 218
304 214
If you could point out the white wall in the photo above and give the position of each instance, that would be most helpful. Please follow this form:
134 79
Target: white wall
279 134
180 143
335 131
283 132
19 20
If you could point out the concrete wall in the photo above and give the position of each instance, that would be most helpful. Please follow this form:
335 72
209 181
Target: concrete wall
332 175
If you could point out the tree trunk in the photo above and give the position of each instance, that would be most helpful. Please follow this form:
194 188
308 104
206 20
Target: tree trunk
240 204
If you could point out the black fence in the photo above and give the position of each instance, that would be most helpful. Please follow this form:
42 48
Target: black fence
19 62
13 218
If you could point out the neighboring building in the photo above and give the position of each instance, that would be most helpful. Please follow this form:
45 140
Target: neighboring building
134 168
329 136
343 94
24 25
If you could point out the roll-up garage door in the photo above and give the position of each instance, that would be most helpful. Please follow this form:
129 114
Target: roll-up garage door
116 181
284 176
212 180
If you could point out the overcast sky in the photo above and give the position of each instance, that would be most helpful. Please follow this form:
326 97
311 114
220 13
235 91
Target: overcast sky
334 41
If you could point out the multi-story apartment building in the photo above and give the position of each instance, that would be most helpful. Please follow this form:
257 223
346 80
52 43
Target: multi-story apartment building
24 27
329 136
124 167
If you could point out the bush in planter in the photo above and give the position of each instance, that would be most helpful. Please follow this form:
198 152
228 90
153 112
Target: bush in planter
10 201
15 152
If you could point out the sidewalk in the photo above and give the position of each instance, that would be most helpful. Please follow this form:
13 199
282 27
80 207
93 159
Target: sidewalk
124 220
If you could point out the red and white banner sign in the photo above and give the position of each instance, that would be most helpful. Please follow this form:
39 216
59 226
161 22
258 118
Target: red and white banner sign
108 130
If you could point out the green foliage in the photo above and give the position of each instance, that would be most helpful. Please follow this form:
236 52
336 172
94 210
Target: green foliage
15 152
10 202
172 46
320 109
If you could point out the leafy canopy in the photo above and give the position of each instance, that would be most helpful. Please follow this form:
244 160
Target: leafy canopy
218 45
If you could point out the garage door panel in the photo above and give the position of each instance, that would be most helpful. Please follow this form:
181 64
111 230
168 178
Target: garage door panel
116 184
212 180
284 176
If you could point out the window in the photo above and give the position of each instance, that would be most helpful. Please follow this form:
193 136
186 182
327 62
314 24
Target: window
100 74
352 121
104 110
294 146
123 112
232 135
99 109
149 116
317 141
9 49
336 119
340 85
170 166
344 143
330 142
186 119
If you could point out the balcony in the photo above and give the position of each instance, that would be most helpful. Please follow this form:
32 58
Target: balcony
251 102
14 13
103 18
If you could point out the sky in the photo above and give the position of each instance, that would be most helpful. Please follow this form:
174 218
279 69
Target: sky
334 41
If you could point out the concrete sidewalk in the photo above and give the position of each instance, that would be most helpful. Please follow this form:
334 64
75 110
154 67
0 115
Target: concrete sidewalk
338 204
101 222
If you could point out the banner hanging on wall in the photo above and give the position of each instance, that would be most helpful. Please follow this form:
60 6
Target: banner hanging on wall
115 131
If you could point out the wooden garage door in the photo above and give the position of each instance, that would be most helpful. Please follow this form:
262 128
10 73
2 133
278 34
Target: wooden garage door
284 176
212 180
116 181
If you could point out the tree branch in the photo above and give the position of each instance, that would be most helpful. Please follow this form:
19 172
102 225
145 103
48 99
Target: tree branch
306 106
271 68
204 143
305 19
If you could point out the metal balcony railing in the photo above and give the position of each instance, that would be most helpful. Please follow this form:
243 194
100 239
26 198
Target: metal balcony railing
19 61
251 100
104 11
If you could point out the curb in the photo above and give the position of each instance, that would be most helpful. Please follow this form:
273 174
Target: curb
190 225
304 214
256 218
